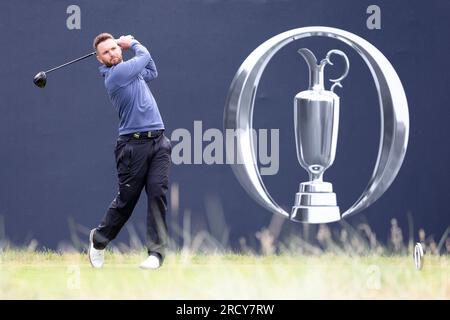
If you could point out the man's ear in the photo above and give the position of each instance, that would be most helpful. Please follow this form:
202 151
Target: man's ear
98 58
120 49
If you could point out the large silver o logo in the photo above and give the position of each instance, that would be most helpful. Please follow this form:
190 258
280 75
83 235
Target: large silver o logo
309 206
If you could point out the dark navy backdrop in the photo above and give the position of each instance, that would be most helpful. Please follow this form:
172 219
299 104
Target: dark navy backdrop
57 143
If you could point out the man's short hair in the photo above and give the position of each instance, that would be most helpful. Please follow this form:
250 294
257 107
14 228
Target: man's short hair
102 37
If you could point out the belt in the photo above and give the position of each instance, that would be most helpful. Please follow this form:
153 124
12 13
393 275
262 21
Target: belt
145 134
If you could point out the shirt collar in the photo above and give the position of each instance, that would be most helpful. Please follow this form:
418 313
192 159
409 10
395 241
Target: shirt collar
103 69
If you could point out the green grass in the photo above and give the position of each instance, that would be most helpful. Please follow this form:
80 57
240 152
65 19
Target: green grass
48 275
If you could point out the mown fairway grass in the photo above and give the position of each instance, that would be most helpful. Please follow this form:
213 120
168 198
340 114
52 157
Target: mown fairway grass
48 275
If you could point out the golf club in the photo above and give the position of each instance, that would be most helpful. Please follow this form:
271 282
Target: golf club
40 79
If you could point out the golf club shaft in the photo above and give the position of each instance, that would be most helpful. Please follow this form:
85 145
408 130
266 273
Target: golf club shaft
70 62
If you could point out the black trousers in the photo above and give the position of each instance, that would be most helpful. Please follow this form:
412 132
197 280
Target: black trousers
141 162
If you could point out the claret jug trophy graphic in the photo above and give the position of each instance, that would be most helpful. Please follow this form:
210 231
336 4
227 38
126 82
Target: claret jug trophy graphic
316 124
316 118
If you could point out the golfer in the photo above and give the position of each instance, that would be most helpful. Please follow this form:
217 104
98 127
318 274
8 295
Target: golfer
142 150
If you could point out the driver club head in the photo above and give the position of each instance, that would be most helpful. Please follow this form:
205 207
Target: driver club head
40 79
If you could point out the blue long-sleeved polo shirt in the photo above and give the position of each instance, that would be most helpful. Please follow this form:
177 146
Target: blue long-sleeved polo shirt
129 93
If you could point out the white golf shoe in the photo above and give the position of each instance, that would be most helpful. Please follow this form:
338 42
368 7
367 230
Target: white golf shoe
96 257
152 262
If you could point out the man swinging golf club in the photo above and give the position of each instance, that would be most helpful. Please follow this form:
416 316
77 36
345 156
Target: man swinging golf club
142 151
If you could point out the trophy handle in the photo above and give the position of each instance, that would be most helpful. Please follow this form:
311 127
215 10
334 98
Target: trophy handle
337 81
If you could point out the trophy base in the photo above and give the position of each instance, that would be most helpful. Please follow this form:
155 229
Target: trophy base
315 203
316 214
